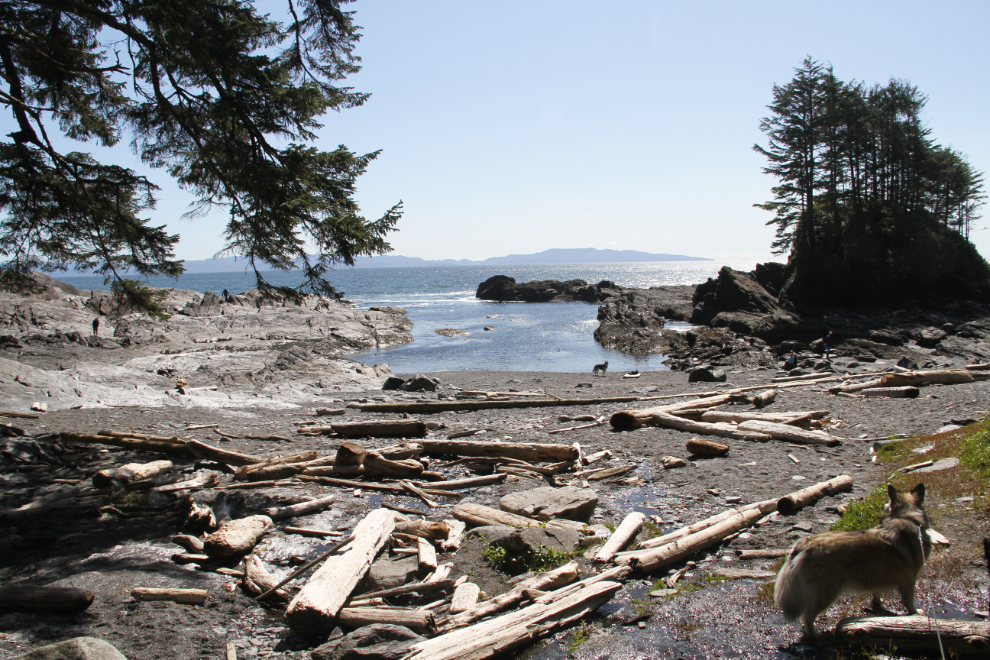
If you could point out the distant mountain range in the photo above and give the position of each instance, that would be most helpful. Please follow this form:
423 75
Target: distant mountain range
555 256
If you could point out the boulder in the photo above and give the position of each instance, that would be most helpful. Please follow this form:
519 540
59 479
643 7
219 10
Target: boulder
930 337
907 363
537 540
388 574
548 503
671 462
392 383
491 532
379 641
420 383
79 648
504 289
706 448
705 375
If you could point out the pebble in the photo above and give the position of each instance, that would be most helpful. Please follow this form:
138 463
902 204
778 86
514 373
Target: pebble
798 477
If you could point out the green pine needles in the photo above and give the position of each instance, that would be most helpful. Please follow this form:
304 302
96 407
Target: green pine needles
220 95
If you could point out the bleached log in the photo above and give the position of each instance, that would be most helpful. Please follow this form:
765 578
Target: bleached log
397 428
623 534
764 507
347 483
917 633
461 484
506 633
129 473
704 428
764 399
591 459
465 597
850 389
453 541
128 443
779 417
187 596
420 621
316 606
762 553
791 379
318 533
241 474
401 451
54 599
547 581
228 457
616 471
430 407
628 420
941 376
377 465
802 498
669 553
421 588
479 515
532 452
789 433
327 412
236 537
427 555
301 509
420 494
350 453
144 436
204 480
905 392
257 580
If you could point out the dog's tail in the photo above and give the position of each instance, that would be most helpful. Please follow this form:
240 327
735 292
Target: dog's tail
789 593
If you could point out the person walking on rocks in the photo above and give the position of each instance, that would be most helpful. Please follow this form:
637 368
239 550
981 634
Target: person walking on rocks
828 345
96 327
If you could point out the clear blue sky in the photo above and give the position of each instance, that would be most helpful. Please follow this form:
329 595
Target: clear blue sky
514 127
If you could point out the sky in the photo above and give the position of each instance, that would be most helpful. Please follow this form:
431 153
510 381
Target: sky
516 127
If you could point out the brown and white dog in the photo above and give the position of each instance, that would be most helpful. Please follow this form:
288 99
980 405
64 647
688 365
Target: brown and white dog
821 568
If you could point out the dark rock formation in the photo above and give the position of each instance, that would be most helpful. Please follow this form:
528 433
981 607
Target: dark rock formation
379 641
502 288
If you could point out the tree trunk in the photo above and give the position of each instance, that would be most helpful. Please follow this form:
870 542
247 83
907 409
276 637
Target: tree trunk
236 537
301 509
398 428
704 428
804 497
187 596
789 433
532 452
129 473
623 534
54 599
318 603
421 621
917 633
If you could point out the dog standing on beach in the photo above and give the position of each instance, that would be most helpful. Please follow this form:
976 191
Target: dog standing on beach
821 568
600 367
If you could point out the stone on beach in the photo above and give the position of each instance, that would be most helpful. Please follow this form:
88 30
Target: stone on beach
548 503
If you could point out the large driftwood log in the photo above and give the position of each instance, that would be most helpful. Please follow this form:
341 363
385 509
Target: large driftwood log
398 428
402 451
350 453
446 406
129 473
905 392
187 596
547 581
427 556
242 473
144 436
236 537
479 515
503 634
136 444
376 465
420 621
764 399
628 420
942 376
917 633
334 471
532 452
704 428
460 484
779 417
418 587
789 433
655 558
465 597
205 451
764 507
318 603
427 529
453 540
846 388
805 496
347 483
624 533
54 599
301 509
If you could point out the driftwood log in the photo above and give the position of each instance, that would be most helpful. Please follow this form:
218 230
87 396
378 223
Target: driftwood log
616 471
129 473
316 606
628 420
460 484
428 529
228 457
533 452
804 497
704 428
622 535
764 399
399 428
419 587
904 392
235 537
301 509
779 417
136 444
764 507
427 555
706 448
478 515
465 597
187 596
789 433
350 453
420 621
243 473
446 406
941 376
53 599
376 465
918 633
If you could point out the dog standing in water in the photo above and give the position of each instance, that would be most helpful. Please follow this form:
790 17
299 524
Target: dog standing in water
821 568
600 367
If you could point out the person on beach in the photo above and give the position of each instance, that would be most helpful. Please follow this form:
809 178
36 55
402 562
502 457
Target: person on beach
96 327
828 345
791 361
226 295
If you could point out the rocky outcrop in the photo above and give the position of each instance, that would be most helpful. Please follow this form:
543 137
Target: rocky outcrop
740 302
502 288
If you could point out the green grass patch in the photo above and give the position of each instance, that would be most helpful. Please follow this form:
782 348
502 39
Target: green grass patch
514 563
974 453
865 513
579 636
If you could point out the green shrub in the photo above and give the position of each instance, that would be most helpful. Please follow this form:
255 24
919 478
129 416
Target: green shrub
974 453
866 513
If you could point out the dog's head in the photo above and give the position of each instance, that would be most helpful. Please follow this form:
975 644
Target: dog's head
908 505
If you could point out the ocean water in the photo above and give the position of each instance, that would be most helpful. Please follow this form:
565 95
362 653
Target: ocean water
526 336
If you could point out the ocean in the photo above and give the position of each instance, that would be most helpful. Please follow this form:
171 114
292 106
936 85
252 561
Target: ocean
526 336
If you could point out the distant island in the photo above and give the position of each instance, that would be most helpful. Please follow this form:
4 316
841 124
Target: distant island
554 256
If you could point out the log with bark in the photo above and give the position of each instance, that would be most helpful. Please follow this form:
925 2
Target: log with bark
704 428
706 448
433 530
789 433
315 608
53 599
502 635
228 457
764 399
128 443
186 596
257 580
802 498
376 465
904 392
129 473
398 428
350 453
244 472
918 633
532 452
236 537
301 509
423 622
622 535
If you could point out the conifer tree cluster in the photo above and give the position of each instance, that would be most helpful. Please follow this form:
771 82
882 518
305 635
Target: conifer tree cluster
220 95
866 202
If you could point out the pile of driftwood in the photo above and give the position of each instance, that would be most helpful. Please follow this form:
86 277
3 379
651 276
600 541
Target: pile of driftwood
905 384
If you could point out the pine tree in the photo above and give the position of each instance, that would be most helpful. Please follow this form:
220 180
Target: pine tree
224 98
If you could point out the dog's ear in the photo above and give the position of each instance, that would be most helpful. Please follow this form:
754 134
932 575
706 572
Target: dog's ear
892 494
919 493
